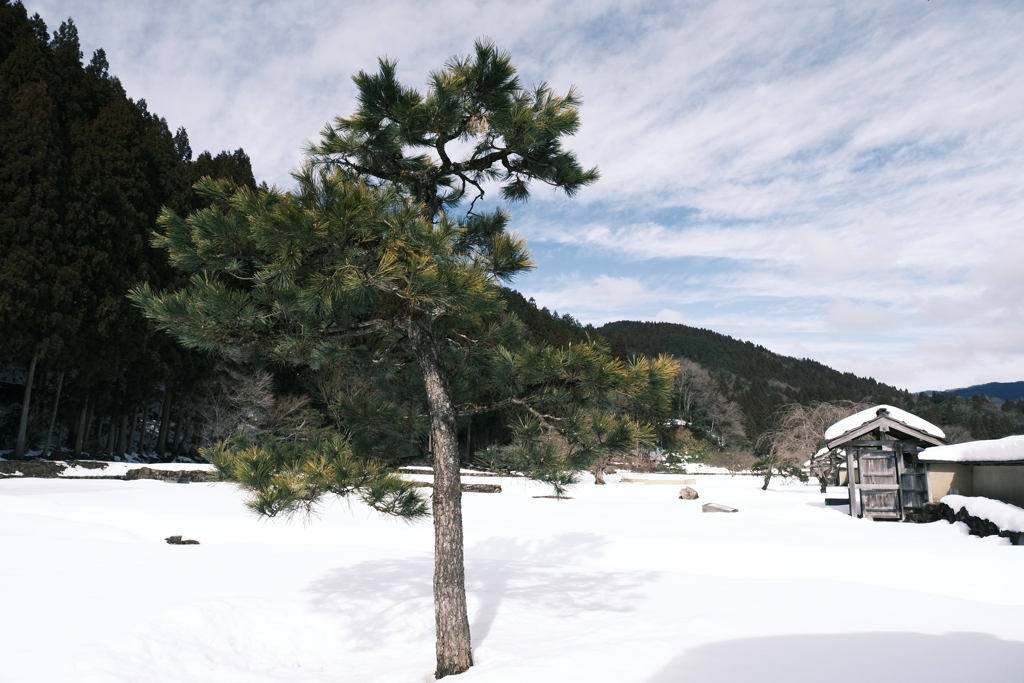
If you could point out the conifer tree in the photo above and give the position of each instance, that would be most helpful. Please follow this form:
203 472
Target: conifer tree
402 138
365 268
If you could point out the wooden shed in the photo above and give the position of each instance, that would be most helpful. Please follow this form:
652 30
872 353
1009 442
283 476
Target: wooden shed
885 478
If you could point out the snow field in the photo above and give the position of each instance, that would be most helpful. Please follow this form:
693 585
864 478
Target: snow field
623 583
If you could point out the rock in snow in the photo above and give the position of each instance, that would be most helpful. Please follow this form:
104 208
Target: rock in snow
717 507
687 493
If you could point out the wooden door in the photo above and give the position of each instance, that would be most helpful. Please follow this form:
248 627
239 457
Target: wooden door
879 485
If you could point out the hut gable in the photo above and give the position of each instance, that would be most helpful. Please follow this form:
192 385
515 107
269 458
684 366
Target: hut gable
868 420
885 479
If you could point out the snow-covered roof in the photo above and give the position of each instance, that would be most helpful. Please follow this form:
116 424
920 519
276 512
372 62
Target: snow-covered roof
848 424
1009 449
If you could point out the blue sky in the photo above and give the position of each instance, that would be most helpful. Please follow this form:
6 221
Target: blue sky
833 180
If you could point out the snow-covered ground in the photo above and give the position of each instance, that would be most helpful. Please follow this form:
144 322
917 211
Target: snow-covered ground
623 583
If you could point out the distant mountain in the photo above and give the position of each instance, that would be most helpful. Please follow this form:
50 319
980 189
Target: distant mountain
759 380
1006 391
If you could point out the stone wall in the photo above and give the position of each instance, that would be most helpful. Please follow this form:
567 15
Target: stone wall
977 525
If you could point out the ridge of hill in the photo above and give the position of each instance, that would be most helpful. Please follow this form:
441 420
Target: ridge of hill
1005 391
759 380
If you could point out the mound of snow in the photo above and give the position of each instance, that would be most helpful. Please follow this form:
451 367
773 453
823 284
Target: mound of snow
1003 515
848 424
1007 449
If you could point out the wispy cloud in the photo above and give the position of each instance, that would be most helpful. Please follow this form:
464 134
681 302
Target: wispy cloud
836 180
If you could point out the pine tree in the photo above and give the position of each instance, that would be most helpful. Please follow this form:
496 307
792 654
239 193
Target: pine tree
365 269
402 138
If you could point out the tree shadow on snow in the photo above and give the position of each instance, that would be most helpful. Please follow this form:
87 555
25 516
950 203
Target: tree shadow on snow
851 658
382 597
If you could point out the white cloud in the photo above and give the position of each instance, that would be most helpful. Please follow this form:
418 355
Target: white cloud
834 163
667 315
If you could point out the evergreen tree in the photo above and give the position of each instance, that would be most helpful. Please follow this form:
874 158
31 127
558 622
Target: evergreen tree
366 268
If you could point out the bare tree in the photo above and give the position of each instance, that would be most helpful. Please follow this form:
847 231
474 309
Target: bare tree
735 460
700 403
241 402
799 436
957 434
692 383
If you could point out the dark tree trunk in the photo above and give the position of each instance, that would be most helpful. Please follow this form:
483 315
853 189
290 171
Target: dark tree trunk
767 478
111 433
454 653
165 422
19 446
599 475
82 425
131 433
179 433
92 441
53 414
192 439
122 434
146 441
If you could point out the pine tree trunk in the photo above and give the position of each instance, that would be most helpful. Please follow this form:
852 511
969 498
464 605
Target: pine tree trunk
53 414
165 422
454 653
19 446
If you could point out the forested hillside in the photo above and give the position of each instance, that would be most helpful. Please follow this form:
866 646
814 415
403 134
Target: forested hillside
84 172
761 381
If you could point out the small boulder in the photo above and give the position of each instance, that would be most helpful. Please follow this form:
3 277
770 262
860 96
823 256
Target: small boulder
687 493
717 507
177 540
